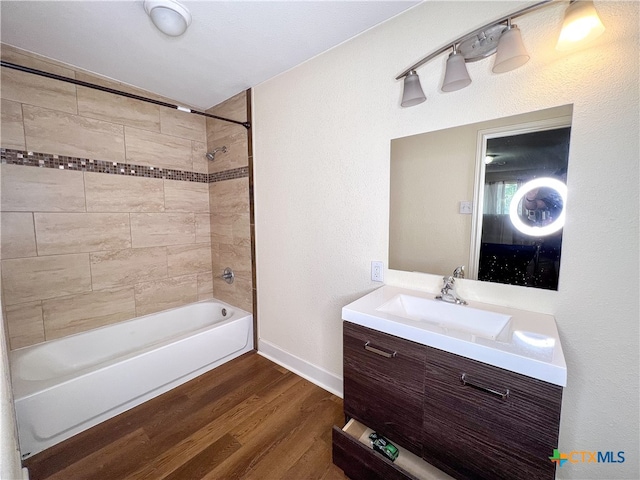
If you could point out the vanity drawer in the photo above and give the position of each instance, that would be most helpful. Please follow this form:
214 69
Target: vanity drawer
353 454
484 422
384 384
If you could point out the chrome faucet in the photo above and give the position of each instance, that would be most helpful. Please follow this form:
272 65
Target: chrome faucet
448 292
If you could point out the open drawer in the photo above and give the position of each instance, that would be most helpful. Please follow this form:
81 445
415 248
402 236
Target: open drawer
352 452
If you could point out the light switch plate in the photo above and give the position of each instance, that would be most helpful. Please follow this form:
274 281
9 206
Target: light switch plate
466 208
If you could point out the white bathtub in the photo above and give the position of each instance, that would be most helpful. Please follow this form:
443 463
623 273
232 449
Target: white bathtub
64 386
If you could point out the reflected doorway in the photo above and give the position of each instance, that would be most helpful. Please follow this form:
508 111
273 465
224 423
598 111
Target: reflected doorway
523 197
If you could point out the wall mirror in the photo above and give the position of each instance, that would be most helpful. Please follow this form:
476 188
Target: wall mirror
489 195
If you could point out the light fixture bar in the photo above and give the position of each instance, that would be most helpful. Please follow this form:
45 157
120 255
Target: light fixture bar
475 32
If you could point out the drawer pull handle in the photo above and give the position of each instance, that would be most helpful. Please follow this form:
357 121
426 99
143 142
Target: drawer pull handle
467 383
379 351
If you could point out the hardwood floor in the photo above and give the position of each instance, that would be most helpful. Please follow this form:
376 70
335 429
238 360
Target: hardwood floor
248 419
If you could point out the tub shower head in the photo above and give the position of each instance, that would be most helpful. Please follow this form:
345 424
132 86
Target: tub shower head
212 155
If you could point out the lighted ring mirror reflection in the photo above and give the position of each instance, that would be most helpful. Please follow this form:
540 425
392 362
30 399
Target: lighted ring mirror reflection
542 201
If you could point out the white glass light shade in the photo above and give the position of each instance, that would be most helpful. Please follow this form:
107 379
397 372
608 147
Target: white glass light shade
170 17
511 52
412 93
581 24
456 75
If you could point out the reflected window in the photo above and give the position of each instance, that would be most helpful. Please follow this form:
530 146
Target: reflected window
497 197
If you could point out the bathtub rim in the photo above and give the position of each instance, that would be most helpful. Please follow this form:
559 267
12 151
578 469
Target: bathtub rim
24 388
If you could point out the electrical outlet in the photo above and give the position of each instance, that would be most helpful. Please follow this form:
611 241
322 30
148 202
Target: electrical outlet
377 271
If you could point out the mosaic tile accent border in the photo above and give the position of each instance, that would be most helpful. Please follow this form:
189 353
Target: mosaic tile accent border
229 174
48 160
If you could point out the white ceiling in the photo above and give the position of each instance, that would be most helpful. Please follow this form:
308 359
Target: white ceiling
229 47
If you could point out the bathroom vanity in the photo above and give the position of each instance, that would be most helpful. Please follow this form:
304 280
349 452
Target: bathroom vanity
474 390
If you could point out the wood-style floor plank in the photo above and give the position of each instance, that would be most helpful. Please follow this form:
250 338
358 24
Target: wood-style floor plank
247 419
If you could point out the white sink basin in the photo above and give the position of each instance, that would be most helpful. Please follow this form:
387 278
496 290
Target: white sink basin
458 317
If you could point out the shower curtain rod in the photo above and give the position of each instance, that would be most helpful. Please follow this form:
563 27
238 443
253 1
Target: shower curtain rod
21 68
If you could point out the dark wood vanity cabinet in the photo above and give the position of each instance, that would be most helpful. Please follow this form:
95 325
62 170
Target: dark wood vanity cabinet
483 422
469 419
384 384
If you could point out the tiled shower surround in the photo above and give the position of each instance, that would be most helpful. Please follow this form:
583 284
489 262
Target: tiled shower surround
61 162
109 208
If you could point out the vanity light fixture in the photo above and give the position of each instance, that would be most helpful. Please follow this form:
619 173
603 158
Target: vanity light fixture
511 52
456 75
170 17
581 23
412 93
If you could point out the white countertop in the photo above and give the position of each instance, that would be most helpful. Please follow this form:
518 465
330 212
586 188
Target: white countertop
528 345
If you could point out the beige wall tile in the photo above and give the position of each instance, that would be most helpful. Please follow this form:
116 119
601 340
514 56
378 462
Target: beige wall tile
157 229
117 109
28 59
119 193
231 228
233 136
215 259
24 322
198 152
164 294
239 293
188 259
203 228
59 233
36 90
222 227
234 108
237 154
41 189
18 235
39 278
12 128
157 150
242 230
78 313
184 125
229 196
52 131
127 267
182 196
205 286
236 257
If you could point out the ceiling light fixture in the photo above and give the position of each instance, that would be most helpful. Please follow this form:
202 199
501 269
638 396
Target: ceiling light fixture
581 23
169 16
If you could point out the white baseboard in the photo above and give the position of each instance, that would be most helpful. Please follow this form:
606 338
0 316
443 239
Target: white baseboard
313 373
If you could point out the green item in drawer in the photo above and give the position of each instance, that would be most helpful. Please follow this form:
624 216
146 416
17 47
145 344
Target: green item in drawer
383 446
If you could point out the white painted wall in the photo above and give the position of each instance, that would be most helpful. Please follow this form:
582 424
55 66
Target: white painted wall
321 154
